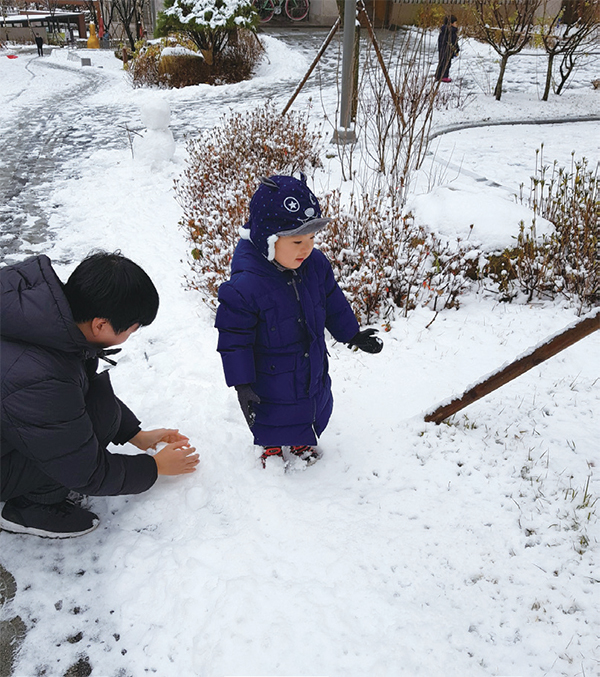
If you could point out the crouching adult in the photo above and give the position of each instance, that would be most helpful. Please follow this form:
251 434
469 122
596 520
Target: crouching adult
58 413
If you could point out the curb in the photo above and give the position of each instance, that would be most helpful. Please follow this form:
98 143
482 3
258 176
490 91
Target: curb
499 123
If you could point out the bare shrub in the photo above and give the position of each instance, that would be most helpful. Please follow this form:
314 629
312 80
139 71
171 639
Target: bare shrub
395 127
565 262
223 169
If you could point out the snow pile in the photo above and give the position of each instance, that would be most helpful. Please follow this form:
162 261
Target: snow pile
482 215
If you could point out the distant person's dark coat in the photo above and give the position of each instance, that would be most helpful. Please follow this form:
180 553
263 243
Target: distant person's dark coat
447 49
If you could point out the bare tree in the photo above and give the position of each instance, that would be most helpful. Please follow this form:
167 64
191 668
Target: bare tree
128 13
101 8
395 110
507 26
588 13
567 37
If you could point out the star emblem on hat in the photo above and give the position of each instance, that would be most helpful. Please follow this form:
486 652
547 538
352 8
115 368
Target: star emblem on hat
291 204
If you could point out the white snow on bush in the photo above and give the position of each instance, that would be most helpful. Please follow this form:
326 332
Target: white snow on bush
180 51
212 14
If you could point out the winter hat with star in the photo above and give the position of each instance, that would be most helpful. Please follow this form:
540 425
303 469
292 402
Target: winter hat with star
281 206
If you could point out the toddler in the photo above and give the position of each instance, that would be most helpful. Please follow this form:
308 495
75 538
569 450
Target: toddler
272 317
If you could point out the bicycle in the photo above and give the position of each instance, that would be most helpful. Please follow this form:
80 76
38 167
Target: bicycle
296 10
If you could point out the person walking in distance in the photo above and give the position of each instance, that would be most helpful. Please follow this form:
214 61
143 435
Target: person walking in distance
39 41
447 48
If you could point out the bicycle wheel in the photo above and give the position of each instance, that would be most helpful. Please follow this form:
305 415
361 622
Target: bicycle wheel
296 9
265 9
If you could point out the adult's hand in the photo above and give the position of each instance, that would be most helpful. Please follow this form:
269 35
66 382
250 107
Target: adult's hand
148 439
177 458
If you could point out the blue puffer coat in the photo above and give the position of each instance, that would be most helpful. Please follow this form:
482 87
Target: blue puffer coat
56 410
271 326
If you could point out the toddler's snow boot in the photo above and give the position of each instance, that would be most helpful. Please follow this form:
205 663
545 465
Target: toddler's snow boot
268 452
306 453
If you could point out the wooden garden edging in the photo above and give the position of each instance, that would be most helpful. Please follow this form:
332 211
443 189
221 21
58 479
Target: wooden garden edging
534 356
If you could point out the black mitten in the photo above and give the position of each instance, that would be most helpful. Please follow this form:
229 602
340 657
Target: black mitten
365 340
246 398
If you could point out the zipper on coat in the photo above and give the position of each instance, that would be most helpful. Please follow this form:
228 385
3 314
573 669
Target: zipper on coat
293 283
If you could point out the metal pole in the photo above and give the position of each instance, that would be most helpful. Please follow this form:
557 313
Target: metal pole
345 133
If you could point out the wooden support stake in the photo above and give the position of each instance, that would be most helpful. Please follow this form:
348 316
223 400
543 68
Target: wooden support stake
363 11
582 328
320 53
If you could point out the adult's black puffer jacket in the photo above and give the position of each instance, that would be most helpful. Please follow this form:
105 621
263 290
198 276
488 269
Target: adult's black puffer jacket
56 410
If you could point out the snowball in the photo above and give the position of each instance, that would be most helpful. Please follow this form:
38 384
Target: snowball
155 113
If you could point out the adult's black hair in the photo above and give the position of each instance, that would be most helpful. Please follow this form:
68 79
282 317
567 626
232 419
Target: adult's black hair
450 19
113 288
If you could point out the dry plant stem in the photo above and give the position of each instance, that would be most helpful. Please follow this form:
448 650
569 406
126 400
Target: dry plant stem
365 17
566 261
397 142
222 173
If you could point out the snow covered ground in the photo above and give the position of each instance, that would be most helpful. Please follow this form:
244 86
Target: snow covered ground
469 548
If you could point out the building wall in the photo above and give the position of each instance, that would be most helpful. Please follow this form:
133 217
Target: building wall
396 12
22 36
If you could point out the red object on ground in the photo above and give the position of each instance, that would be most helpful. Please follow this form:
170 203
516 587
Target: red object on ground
12 56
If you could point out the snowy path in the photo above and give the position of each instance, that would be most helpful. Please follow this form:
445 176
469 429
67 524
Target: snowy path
41 135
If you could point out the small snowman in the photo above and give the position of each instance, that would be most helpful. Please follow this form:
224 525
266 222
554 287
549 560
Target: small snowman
156 144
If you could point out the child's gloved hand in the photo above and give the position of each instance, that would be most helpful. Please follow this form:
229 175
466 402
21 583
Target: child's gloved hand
365 340
246 397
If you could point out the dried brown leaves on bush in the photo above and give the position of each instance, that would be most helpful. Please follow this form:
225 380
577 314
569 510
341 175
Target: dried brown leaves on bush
223 170
384 261
237 61
564 262
150 68
182 70
143 68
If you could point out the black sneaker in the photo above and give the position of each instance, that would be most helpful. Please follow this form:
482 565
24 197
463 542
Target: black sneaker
57 520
